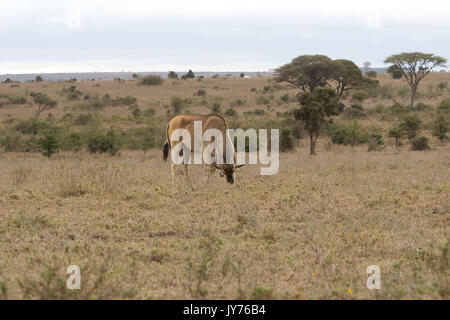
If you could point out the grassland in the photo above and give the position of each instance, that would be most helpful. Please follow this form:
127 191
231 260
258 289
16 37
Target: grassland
308 232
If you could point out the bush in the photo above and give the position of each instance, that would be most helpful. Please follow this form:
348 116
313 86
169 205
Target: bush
420 143
359 96
375 141
119 101
398 109
200 92
371 74
285 98
83 119
72 93
17 100
31 126
444 106
262 100
71 142
151 80
441 127
354 113
230 112
177 104
286 141
188 75
411 125
237 102
103 143
423 107
352 135
49 144
215 108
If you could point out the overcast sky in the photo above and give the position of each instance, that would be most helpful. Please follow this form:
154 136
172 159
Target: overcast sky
212 35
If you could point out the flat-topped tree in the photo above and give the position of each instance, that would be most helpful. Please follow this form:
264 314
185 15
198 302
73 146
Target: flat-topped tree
347 76
43 102
307 72
414 66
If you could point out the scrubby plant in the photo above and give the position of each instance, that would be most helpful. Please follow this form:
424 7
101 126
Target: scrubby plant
238 102
177 104
215 108
286 140
150 80
396 132
359 96
72 93
49 144
371 74
441 127
411 124
420 143
230 112
444 106
103 143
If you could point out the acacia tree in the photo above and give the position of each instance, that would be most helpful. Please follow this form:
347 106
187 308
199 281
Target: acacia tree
314 109
43 102
307 72
414 66
347 76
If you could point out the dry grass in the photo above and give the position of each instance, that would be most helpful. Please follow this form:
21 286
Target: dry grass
308 232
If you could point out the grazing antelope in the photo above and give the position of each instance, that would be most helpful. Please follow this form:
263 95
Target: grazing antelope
211 121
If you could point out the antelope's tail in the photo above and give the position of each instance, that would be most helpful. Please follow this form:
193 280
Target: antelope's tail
166 147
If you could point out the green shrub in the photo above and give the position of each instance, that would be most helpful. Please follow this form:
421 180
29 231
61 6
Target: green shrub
420 143
12 143
444 106
200 92
215 108
285 98
49 144
71 142
136 112
31 126
177 104
352 135
230 112
103 144
237 102
359 96
371 74
354 113
72 93
83 119
121 101
17 100
411 125
262 100
286 140
441 127
150 80
398 109
423 107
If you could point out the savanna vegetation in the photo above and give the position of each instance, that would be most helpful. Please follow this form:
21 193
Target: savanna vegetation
82 182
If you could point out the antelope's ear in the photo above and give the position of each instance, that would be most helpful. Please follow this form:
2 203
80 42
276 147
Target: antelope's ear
238 166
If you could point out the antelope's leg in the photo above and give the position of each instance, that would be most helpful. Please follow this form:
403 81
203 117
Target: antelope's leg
186 172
